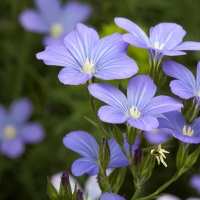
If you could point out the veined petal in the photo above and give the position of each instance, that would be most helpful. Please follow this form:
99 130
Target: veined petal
33 21
168 34
138 34
82 143
110 196
32 133
140 90
81 42
161 104
111 115
188 46
196 126
59 56
146 123
12 148
172 52
198 78
110 95
20 111
186 138
72 76
85 165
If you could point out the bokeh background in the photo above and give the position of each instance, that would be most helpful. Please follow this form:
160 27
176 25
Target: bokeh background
61 108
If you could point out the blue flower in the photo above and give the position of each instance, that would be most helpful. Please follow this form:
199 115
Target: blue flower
15 131
138 108
195 182
165 39
85 56
84 144
54 19
111 196
186 86
174 121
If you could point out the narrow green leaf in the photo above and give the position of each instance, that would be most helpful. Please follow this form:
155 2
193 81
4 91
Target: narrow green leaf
51 191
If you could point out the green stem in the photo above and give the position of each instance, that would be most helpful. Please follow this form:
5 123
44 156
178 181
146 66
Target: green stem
137 192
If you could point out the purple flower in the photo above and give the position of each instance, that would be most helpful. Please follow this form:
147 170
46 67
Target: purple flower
84 144
195 183
186 86
110 196
53 19
138 108
85 56
15 131
165 38
188 133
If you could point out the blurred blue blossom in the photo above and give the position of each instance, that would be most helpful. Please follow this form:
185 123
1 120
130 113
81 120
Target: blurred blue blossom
15 131
165 39
53 19
85 55
111 196
195 183
138 108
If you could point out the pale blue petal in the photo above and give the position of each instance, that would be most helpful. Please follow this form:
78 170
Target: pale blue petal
111 115
85 165
185 138
161 104
53 41
110 95
198 78
72 76
172 53
196 127
188 46
82 143
138 34
111 196
146 123
33 21
195 182
140 90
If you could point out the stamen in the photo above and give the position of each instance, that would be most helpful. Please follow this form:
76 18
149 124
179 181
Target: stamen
88 67
187 130
56 30
9 132
158 46
134 112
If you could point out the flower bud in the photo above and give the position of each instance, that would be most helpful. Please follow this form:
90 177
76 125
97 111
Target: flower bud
79 194
137 156
104 154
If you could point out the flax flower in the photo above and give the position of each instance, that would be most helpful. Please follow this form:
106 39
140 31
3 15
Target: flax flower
85 56
111 196
53 19
164 38
138 108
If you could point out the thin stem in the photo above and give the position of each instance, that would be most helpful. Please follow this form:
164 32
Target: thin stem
137 192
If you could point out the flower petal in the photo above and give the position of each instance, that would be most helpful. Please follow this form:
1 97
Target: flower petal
185 138
110 95
32 133
72 76
168 34
33 21
12 148
146 123
195 182
161 104
82 143
111 115
198 77
84 165
188 46
196 126
172 53
138 34
140 90
20 111
110 196
3 113
53 41
111 61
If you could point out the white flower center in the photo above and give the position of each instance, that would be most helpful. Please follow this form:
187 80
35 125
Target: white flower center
9 132
187 130
88 67
158 46
134 112
56 30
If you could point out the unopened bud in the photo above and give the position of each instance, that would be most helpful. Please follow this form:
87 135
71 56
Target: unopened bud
79 195
65 178
138 156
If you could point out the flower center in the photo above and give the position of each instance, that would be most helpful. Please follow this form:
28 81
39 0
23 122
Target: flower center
187 130
134 112
158 46
9 132
88 67
56 30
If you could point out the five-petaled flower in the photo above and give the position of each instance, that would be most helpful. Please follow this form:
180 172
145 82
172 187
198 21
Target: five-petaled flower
15 131
54 19
138 108
159 154
165 39
85 55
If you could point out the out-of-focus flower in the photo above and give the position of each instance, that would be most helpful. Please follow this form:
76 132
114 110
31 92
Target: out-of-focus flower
15 131
195 183
53 19
85 56
111 196
165 39
174 121
186 86
172 197
84 144
138 108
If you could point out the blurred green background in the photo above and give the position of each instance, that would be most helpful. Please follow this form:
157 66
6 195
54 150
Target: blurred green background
61 108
